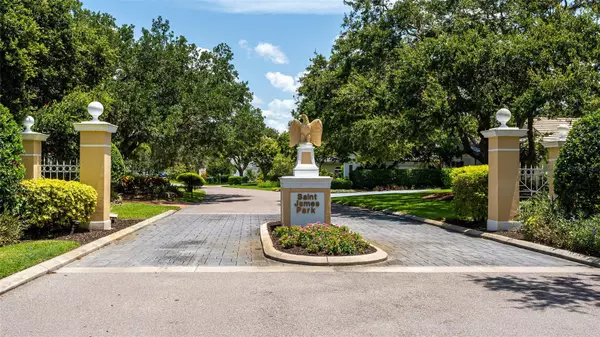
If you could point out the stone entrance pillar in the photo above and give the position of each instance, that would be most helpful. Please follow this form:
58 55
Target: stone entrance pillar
554 144
305 196
94 159
32 144
503 177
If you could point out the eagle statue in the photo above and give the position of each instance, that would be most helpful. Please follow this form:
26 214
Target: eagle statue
305 132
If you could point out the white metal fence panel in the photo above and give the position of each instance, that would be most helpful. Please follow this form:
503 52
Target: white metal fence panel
532 181
63 170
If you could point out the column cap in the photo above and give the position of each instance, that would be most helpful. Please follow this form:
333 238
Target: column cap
550 142
95 126
34 136
504 132
305 182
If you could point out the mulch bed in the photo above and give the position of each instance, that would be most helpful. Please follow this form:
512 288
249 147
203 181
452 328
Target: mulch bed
84 236
439 196
300 250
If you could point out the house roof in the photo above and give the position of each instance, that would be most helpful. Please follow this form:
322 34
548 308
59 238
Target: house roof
548 126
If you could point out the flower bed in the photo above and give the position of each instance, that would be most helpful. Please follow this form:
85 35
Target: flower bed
319 240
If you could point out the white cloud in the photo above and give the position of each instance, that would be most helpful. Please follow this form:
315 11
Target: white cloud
272 6
256 101
278 115
271 52
281 81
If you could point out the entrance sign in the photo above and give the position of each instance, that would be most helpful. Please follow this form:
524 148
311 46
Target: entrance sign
307 207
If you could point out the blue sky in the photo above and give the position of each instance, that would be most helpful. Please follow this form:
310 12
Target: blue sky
272 39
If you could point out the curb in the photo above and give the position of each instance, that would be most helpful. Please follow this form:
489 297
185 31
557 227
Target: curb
536 247
271 252
31 273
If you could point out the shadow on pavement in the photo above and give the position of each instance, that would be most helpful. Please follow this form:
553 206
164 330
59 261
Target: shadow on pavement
340 211
538 293
220 198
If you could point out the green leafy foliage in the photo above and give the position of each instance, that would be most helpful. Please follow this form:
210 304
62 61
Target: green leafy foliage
545 222
322 239
234 180
405 178
264 154
470 188
191 180
577 174
447 177
268 184
341 184
250 176
282 166
51 204
117 165
146 187
11 167
11 229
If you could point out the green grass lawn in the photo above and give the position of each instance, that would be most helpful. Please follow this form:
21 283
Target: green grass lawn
14 258
253 187
412 203
138 210
188 197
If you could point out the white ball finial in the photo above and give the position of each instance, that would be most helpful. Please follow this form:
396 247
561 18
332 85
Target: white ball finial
95 109
503 116
563 131
28 122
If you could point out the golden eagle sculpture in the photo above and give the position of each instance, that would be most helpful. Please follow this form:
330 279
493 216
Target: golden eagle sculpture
305 132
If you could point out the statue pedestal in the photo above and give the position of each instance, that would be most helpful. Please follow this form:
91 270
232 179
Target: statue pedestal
305 197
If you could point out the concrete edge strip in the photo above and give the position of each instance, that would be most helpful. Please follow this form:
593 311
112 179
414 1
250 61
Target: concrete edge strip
536 247
271 252
31 273
329 269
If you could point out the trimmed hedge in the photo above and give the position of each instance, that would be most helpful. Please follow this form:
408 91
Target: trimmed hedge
51 204
234 180
341 184
470 188
191 180
11 167
117 166
407 178
148 186
577 176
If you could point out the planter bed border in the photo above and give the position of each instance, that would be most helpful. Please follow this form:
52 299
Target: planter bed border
271 252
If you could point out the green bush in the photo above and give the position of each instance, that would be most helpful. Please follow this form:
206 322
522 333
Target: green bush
447 177
11 229
191 180
406 178
577 174
117 165
341 184
322 238
546 223
470 188
51 204
11 167
268 184
145 186
234 180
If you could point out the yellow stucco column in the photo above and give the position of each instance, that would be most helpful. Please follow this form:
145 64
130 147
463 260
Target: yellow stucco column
32 144
94 162
503 177
554 144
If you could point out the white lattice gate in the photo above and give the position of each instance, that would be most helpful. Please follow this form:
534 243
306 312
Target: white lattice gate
532 181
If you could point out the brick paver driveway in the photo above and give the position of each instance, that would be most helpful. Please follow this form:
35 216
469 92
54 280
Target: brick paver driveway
224 232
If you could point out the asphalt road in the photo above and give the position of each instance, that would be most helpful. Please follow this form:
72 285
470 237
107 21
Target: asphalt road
303 304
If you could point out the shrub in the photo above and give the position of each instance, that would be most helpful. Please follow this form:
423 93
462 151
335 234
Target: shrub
470 188
146 186
117 165
268 184
250 176
11 229
191 180
341 184
11 167
406 178
447 177
233 180
51 204
578 168
322 238
545 222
